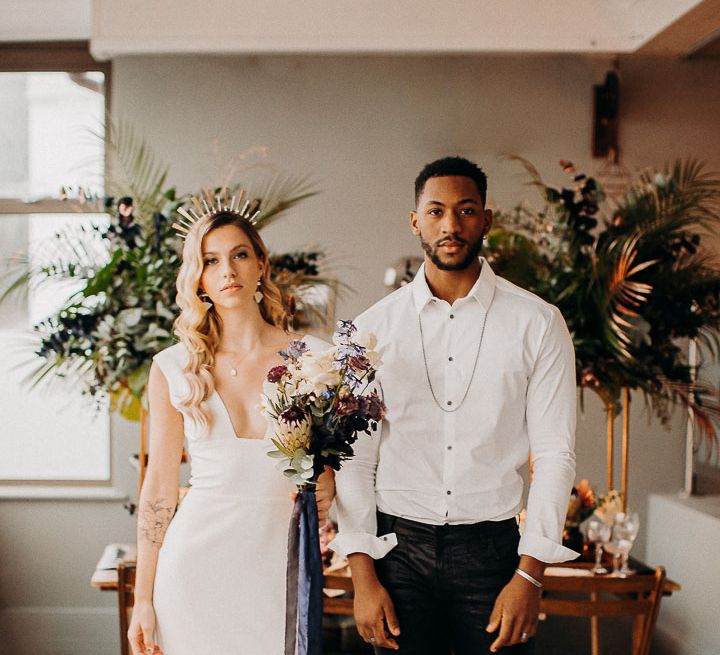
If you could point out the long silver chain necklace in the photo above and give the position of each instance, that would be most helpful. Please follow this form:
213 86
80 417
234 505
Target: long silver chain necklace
472 375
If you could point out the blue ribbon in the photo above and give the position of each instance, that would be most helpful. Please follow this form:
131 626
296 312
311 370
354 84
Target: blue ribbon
304 600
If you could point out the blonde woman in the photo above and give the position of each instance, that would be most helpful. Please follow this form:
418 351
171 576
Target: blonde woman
211 577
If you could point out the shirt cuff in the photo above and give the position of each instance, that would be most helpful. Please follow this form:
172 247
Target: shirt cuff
347 543
544 549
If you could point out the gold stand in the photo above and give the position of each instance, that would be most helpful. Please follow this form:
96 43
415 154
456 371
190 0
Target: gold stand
625 446
610 444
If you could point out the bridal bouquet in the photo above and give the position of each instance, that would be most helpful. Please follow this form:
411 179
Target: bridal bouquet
319 403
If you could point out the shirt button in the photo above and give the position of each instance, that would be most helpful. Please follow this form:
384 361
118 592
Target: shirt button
450 359
449 492
384 538
449 402
449 447
452 315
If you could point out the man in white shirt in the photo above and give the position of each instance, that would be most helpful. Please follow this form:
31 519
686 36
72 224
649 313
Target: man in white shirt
476 374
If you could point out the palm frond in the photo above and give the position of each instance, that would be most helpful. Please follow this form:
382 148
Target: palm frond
701 399
663 204
281 193
625 295
135 171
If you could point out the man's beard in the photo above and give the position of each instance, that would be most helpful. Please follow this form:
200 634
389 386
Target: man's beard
432 252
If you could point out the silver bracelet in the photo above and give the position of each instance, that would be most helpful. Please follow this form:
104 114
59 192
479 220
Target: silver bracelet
529 578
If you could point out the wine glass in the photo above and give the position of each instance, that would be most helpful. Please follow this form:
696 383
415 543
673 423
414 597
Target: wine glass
625 529
598 532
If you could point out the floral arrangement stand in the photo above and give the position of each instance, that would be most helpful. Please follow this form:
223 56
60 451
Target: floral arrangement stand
105 334
632 280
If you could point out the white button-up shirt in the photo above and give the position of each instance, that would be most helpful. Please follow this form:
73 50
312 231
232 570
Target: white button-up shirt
462 466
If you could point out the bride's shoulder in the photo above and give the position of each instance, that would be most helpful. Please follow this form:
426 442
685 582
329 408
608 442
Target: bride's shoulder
173 356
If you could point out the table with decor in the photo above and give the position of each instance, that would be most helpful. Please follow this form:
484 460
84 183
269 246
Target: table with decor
569 589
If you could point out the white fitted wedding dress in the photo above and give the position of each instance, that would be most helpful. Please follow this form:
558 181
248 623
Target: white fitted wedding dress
220 578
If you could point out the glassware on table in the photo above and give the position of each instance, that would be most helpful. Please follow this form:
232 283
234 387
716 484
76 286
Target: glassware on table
625 529
599 533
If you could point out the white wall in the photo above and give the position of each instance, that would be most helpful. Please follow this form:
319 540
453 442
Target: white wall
363 127
688 621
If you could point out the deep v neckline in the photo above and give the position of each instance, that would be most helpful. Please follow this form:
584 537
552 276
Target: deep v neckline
226 411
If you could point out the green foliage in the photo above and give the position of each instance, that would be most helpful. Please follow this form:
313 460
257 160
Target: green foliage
631 281
104 336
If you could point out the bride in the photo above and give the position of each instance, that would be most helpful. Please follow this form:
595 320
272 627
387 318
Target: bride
211 576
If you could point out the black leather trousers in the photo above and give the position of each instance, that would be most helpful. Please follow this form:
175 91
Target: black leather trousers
444 580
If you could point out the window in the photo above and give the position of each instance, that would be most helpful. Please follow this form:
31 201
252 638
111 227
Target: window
52 143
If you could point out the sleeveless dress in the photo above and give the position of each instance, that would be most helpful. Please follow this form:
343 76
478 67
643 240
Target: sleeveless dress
220 577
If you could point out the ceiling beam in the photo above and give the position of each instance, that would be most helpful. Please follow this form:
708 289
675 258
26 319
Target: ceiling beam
688 34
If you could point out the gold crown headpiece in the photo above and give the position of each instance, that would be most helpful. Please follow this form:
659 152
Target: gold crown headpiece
209 204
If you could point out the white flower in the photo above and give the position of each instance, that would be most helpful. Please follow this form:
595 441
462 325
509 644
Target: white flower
365 339
317 373
374 358
314 363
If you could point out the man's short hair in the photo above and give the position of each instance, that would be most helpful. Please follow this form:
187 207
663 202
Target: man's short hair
452 166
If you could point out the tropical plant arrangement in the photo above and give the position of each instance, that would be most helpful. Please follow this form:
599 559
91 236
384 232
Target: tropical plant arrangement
123 273
631 279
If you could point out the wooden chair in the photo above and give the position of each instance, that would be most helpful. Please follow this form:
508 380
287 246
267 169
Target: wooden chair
126 587
638 596
126 600
340 604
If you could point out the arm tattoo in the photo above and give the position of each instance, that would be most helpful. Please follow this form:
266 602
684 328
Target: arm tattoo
153 521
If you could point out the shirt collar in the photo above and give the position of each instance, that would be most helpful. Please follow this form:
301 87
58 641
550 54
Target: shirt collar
483 290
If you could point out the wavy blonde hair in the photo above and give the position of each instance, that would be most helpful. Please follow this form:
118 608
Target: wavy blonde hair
198 327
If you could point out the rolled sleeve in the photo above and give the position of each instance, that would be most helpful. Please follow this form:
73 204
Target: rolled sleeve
551 422
544 549
355 502
347 543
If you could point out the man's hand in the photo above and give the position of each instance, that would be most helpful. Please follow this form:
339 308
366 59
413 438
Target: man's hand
515 612
374 611
375 616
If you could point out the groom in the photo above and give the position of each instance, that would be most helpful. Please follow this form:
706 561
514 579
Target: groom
477 373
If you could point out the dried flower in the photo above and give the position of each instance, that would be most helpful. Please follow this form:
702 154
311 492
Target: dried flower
275 374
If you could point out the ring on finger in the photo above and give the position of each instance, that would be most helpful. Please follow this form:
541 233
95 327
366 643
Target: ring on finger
372 640
524 636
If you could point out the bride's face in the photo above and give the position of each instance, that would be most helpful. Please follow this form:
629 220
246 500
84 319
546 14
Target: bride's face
231 268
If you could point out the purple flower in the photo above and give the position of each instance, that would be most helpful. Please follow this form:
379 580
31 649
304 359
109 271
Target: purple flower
293 415
275 374
344 331
295 350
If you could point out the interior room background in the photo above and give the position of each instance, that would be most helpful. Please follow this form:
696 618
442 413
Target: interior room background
362 127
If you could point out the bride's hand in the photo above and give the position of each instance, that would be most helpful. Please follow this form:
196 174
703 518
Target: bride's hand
324 494
140 632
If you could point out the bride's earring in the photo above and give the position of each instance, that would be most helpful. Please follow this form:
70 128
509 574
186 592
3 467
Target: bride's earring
258 294
207 303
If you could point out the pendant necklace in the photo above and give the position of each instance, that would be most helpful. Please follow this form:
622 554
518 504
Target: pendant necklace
472 375
234 365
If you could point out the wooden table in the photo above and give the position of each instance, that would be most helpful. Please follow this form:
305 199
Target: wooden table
570 578
570 589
